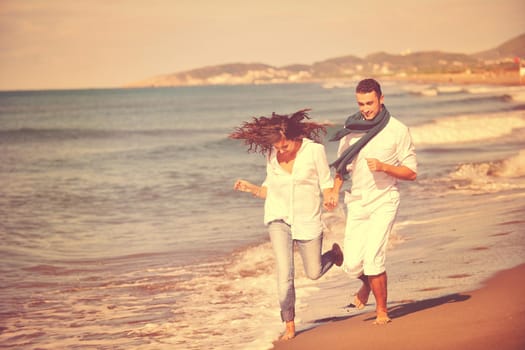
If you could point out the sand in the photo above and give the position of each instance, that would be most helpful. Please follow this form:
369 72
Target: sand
492 317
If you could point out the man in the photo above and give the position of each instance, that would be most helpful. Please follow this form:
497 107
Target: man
377 149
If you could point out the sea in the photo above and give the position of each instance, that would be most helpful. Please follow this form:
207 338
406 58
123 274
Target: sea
120 228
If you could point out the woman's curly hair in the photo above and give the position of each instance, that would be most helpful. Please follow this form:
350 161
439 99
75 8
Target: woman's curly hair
261 133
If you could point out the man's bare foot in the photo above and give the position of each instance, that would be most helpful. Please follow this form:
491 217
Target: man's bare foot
382 318
289 331
357 303
361 297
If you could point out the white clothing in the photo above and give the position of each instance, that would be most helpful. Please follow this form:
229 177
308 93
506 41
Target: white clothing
295 197
373 200
366 235
392 145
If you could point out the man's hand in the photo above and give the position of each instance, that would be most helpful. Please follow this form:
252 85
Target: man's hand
374 164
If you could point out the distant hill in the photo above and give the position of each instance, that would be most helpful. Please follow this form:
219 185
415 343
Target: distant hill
512 48
498 59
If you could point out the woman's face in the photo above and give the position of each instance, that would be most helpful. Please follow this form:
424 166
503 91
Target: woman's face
284 146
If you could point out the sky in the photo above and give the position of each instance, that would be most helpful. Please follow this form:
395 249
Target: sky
64 44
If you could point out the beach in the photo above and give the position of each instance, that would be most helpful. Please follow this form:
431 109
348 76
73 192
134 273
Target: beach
485 319
122 230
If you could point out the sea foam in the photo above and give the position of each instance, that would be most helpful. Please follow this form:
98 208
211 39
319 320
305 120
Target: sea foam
490 177
467 128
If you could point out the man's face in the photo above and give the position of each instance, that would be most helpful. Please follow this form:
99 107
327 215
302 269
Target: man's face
369 104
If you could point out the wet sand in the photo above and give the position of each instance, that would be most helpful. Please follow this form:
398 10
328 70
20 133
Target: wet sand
492 317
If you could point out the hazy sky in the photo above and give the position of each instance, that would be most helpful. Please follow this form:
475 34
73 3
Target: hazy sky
105 43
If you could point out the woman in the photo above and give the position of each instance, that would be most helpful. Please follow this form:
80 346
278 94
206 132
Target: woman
296 173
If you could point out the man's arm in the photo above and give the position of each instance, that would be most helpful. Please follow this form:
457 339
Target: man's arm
400 172
338 183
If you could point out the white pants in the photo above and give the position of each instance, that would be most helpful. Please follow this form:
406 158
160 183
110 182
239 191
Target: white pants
366 235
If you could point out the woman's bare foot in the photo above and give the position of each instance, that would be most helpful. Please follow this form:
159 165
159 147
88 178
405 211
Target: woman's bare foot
289 331
337 254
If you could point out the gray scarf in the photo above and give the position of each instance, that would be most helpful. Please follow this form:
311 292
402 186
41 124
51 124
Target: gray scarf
356 123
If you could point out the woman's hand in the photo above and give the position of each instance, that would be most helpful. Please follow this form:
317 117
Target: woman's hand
330 198
245 186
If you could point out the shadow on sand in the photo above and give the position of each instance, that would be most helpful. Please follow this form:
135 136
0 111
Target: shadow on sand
401 310
416 306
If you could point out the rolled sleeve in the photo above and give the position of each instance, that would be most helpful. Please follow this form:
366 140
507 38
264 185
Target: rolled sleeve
407 152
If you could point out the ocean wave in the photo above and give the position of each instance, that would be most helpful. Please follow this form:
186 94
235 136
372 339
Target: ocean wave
49 134
516 94
486 177
480 177
433 90
241 288
494 89
510 93
467 128
512 167
466 102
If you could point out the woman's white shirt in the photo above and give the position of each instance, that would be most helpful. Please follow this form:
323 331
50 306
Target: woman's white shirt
295 197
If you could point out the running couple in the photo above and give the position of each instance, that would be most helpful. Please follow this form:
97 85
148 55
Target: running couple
375 149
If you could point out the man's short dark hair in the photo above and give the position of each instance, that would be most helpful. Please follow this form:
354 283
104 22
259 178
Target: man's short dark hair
368 85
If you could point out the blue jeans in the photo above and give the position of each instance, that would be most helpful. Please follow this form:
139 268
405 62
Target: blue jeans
315 265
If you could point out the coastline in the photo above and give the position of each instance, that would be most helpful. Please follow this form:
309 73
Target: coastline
507 78
488 318
487 78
